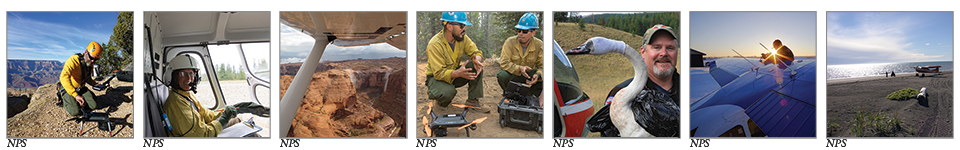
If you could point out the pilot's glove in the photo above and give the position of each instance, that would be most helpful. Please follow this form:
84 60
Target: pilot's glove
252 108
228 113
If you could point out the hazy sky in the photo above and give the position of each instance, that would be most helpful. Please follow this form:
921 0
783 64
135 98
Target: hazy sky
56 35
295 46
715 33
228 54
889 37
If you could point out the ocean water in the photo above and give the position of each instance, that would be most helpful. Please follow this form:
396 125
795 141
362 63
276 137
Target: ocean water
865 70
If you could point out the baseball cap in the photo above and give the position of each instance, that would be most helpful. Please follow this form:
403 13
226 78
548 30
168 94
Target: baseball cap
659 27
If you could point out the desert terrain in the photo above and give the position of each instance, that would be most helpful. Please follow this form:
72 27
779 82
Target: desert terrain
41 117
351 98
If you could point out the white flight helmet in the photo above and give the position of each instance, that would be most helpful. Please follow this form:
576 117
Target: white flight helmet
177 63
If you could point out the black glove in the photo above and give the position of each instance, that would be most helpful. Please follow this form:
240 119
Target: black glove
252 108
228 113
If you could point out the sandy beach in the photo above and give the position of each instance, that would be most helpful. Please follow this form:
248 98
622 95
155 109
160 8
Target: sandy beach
932 117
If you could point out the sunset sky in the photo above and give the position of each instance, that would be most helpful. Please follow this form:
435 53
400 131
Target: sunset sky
716 33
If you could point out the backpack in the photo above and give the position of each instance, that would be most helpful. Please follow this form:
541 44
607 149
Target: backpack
84 71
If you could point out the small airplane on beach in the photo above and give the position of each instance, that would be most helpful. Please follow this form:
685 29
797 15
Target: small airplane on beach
926 69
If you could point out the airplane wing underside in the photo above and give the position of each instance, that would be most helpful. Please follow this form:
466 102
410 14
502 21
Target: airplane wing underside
353 28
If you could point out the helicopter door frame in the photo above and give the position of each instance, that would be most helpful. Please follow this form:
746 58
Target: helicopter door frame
153 107
252 79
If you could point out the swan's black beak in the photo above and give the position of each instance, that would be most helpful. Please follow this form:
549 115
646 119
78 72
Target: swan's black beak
582 49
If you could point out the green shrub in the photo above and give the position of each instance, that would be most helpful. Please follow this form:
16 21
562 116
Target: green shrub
903 94
582 25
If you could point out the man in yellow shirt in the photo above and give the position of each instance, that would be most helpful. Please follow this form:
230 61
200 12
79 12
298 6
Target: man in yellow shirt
521 59
444 71
74 77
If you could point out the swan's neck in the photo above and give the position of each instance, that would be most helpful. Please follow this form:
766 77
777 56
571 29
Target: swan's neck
620 112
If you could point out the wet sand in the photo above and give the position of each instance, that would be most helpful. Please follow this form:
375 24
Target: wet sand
932 117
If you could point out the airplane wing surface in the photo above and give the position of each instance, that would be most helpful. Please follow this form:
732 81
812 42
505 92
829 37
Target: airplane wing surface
789 111
725 70
782 109
705 84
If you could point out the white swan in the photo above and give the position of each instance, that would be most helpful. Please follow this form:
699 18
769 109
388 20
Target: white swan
621 114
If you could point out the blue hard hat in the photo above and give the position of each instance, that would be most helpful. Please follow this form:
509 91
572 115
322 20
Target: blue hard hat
528 21
458 17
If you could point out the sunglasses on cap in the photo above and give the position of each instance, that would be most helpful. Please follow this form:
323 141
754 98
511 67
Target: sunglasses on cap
525 31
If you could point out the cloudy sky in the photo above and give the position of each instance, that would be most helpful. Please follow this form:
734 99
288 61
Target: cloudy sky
55 35
889 37
715 33
295 46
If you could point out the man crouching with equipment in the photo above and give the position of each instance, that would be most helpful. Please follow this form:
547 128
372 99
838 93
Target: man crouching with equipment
76 73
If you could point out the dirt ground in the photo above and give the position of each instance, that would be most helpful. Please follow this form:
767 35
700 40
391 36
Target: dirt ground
43 118
492 95
932 117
